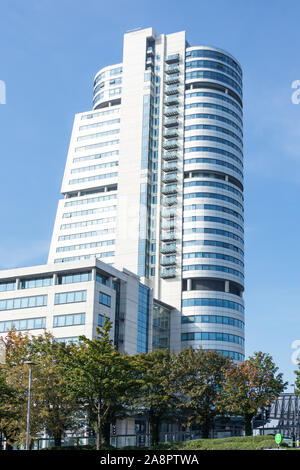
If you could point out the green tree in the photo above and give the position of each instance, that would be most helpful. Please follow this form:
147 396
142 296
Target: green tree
15 372
155 396
250 385
7 412
51 408
58 411
199 376
100 377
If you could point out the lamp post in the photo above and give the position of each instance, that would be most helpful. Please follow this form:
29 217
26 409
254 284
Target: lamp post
29 363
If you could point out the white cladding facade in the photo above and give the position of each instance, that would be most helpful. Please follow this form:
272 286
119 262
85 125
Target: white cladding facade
154 182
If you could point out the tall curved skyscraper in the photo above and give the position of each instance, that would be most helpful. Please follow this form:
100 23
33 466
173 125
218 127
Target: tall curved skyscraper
154 183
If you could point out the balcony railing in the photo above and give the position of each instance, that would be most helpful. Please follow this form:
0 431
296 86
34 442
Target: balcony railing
169 201
171 133
172 58
169 166
168 235
149 60
169 189
172 99
168 260
171 90
168 248
168 212
169 177
170 155
168 273
174 68
171 111
168 224
171 122
171 79
170 144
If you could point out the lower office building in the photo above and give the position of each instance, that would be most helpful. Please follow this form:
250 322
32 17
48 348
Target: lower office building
69 300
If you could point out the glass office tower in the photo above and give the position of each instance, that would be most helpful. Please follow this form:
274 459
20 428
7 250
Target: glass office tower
154 182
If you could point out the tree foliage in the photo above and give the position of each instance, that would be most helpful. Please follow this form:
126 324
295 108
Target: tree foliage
51 409
91 384
156 396
250 385
198 375
101 378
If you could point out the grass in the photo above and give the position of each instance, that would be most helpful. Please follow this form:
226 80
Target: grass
228 443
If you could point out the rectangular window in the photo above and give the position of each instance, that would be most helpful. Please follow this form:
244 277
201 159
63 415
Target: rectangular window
104 299
23 302
101 319
70 297
143 319
76 277
70 339
35 282
102 279
68 320
22 325
116 71
5 286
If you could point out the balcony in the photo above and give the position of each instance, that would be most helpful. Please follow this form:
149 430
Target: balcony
170 144
169 178
170 155
172 79
168 261
171 133
174 68
172 59
168 273
172 111
168 224
171 122
150 50
169 212
172 166
169 189
168 236
172 99
150 61
168 248
171 90
169 201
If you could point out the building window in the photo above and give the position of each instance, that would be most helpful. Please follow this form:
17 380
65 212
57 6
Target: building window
70 339
35 282
104 299
102 279
76 277
101 319
23 324
212 336
143 319
5 286
23 302
70 297
68 320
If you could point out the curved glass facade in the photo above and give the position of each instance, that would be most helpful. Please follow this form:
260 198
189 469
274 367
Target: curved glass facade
212 303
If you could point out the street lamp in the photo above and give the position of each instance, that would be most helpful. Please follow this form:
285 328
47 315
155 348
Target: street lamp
29 363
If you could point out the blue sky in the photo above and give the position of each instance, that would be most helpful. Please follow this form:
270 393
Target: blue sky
49 53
